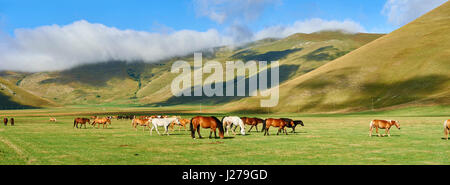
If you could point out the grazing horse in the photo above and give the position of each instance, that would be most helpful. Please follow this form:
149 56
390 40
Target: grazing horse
229 121
253 122
52 119
162 122
280 123
141 122
383 124
206 122
12 121
446 128
81 121
5 121
295 123
102 121
182 123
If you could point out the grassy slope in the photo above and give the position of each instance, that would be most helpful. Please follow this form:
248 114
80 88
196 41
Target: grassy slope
404 68
118 82
13 97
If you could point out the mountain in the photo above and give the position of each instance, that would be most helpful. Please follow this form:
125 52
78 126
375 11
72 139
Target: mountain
408 67
139 83
13 97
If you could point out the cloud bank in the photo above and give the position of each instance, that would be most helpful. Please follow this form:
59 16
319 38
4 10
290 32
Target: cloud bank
56 47
401 12
309 26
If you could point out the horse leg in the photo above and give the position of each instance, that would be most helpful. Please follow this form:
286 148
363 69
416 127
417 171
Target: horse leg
256 126
198 131
151 130
388 131
210 132
379 135
370 131
251 128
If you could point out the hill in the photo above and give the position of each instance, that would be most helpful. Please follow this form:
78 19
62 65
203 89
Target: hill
139 83
408 67
13 97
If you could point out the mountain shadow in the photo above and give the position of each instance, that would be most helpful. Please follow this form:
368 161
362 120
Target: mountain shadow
285 72
7 104
248 55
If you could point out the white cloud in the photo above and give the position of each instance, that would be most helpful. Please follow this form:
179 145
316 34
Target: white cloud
309 26
401 12
56 47
222 11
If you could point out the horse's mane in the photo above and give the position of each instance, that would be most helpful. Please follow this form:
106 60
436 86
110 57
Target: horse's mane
219 124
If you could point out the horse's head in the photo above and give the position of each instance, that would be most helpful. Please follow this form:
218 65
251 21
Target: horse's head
396 123
299 122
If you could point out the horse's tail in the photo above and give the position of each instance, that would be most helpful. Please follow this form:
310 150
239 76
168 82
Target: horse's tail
264 125
192 127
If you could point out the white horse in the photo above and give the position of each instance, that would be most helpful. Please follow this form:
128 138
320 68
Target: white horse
229 121
162 122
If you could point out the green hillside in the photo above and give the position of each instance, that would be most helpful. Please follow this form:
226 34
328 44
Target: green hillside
408 67
13 97
139 83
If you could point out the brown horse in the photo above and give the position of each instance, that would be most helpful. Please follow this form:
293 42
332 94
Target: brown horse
102 121
206 122
81 121
12 121
383 124
183 123
280 123
5 121
141 122
252 121
446 128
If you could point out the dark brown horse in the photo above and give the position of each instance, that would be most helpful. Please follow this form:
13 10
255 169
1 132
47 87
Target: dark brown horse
5 121
206 122
11 121
253 122
296 122
280 123
81 121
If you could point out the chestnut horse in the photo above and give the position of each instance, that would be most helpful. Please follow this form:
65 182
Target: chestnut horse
280 123
52 119
141 122
5 121
206 122
12 121
81 121
253 122
183 123
102 121
446 128
383 124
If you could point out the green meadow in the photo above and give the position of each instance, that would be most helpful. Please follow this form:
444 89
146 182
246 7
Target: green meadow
328 139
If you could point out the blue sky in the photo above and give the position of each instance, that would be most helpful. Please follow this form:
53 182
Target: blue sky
59 34
155 15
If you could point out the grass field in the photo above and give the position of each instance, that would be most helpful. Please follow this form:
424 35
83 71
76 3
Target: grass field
325 139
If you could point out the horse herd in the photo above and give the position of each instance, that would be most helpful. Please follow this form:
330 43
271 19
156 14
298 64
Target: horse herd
227 123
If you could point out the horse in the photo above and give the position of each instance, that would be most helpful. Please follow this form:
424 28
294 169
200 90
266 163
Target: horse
102 121
206 122
182 123
141 122
12 121
5 121
162 122
52 119
229 121
280 123
446 128
296 122
252 121
81 121
383 124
